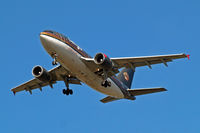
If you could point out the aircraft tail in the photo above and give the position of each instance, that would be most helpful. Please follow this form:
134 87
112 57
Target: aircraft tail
137 92
126 76
134 92
108 99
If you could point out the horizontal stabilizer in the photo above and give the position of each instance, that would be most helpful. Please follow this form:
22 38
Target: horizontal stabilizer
108 99
136 92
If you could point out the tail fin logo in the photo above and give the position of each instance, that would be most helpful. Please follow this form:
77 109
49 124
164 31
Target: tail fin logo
126 76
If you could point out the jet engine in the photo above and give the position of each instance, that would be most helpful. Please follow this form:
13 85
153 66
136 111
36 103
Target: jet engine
40 73
103 61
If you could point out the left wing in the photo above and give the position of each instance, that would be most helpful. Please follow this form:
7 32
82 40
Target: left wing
57 73
147 60
136 61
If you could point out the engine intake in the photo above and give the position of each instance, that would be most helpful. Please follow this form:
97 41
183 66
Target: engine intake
40 73
103 61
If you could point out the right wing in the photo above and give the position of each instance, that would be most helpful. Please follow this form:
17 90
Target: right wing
136 92
57 73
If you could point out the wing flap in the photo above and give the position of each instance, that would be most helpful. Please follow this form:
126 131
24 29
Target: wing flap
31 85
136 92
144 63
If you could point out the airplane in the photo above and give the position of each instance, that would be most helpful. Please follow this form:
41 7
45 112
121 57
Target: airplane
100 73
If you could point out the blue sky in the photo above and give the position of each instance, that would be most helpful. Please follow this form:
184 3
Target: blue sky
119 29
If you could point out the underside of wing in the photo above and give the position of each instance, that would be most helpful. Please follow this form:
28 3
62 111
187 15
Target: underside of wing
58 74
134 62
146 60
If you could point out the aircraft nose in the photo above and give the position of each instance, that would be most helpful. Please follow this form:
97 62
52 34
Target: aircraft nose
46 42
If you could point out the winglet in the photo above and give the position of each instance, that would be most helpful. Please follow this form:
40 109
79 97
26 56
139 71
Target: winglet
188 56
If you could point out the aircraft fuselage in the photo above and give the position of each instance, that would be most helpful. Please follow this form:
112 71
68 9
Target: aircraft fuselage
70 59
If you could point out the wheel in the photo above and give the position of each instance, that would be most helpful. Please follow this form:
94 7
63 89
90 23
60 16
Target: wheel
104 83
70 92
67 92
54 63
64 91
109 83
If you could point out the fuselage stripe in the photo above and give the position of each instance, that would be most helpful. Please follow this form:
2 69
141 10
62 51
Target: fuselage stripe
68 42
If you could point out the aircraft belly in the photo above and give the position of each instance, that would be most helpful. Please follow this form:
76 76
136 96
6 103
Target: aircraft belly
70 59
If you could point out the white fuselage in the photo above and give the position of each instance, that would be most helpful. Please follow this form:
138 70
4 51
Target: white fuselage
71 60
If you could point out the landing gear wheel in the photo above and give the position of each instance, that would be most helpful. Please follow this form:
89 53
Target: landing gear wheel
102 84
67 91
70 92
106 83
109 83
54 56
64 91
54 63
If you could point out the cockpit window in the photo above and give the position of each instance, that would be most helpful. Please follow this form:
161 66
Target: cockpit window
56 33
49 31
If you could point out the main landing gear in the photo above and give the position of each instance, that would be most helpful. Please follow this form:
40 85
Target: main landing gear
67 91
106 83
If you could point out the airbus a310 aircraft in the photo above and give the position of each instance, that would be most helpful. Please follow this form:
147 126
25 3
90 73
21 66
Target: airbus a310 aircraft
99 73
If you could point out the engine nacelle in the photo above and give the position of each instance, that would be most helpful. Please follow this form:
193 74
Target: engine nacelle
40 73
103 61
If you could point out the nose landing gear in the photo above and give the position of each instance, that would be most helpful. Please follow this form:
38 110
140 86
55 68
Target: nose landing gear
54 62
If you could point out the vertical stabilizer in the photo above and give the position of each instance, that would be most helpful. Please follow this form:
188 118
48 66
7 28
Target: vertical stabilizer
126 76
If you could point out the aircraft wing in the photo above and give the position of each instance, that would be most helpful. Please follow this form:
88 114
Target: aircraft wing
146 60
137 61
57 74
